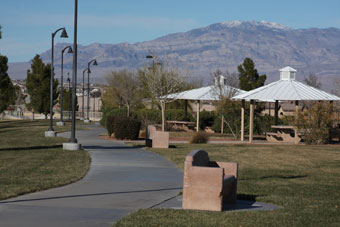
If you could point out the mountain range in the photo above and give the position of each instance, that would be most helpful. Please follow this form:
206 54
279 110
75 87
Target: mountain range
218 46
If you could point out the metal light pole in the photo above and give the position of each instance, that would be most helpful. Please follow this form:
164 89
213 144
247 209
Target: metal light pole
73 145
61 122
69 87
87 120
82 100
51 132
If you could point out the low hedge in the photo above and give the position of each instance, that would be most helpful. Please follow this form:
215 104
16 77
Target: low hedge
126 128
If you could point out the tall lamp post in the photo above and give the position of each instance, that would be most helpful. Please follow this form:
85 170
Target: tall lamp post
73 144
61 122
51 132
87 120
82 100
69 87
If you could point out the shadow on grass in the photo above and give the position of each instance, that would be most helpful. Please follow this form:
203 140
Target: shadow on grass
248 197
276 176
111 147
89 195
285 177
30 148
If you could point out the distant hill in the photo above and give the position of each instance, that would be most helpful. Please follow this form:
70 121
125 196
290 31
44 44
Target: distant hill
218 46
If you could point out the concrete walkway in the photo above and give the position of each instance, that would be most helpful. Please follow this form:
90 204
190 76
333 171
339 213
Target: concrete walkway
121 180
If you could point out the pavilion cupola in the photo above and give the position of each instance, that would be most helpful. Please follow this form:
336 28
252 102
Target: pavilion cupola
220 80
287 73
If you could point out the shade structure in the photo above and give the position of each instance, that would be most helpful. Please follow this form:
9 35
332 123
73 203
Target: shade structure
285 89
209 93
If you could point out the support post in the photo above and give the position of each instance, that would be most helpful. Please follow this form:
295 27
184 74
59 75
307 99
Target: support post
251 121
296 137
198 115
163 115
242 119
276 112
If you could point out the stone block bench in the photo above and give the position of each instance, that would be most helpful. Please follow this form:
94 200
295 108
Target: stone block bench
208 184
156 139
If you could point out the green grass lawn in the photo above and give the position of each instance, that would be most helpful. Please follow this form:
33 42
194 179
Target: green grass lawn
303 180
30 162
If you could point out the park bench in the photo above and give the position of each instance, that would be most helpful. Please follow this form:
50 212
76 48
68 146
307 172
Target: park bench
207 185
156 139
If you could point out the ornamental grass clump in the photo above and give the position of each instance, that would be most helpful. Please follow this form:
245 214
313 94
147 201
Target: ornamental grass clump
199 137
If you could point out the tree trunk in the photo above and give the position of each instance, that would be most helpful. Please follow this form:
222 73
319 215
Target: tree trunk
163 116
128 110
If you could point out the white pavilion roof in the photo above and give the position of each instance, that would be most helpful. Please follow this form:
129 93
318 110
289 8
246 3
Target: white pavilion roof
209 93
287 90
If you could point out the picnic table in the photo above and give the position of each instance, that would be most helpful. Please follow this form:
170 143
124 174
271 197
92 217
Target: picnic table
284 133
181 125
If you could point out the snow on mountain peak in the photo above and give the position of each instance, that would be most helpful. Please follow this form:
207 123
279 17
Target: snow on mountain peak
271 25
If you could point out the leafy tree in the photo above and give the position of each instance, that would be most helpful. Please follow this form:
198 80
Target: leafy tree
312 80
123 89
38 86
7 91
159 81
249 77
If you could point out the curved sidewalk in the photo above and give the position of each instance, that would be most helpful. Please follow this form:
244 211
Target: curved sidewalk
121 180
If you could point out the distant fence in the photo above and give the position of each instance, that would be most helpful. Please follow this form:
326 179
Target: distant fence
93 116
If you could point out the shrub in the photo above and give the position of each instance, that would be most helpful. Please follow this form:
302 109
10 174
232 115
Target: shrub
316 122
115 112
177 115
148 116
126 128
109 125
199 137
206 119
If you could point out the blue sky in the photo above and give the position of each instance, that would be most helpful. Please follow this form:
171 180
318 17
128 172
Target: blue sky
27 25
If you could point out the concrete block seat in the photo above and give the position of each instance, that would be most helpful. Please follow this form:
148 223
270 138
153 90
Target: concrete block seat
156 139
207 185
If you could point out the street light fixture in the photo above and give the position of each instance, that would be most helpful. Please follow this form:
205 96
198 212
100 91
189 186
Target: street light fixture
51 132
61 122
94 61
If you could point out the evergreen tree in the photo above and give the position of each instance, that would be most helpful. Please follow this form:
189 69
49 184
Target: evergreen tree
7 91
38 86
249 77
67 101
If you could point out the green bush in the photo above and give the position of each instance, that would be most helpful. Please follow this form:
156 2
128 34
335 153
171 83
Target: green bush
148 116
206 119
199 137
109 124
153 116
115 112
126 128
177 115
